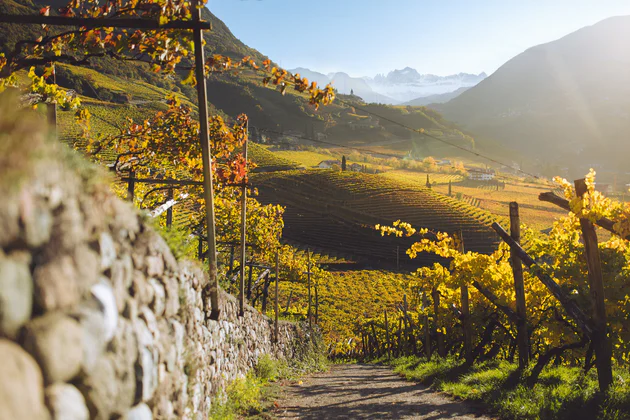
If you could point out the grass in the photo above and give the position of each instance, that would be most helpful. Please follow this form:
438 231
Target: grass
255 395
561 393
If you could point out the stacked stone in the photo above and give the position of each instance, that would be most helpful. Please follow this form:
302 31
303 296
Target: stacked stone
98 319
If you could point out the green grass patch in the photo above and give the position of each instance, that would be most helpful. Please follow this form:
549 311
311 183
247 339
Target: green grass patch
561 393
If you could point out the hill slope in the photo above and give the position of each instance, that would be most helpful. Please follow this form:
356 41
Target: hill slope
568 100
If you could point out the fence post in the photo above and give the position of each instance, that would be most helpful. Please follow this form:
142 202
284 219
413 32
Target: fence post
308 274
316 303
241 297
208 188
276 296
200 248
435 293
427 327
169 212
131 185
519 289
286 311
450 188
388 343
601 343
465 310
249 280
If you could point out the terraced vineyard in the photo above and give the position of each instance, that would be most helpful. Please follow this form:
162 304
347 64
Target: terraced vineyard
420 178
267 161
336 211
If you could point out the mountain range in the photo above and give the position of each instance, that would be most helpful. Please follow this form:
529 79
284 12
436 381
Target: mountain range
565 103
396 87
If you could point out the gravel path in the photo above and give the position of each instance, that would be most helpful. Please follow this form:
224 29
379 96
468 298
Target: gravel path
368 392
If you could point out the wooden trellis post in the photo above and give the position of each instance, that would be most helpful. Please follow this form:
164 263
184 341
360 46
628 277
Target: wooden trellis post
169 212
241 296
435 293
308 274
465 303
131 185
208 188
388 344
275 325
519 289
427 327
601 341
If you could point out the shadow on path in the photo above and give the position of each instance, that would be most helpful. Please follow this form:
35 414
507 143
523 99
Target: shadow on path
368 392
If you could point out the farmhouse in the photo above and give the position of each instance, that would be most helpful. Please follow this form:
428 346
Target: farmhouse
355 167
327 164
477 174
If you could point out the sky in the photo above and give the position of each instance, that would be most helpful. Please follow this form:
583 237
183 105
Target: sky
367 37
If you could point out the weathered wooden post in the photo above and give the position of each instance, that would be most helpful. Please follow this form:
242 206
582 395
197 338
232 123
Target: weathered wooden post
249 280
231 257
204 138
131 185
169 212
275 325
465 310
241 296
435 293
519 289
316 303
450 188
200 248
286 311
427 327
388 343
308 274
601 342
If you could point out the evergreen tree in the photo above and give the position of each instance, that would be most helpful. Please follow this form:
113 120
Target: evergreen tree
343 163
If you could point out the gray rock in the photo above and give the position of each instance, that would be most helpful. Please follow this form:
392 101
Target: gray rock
56 342
16 295
37 221
56 284
121 275
21 384
100 389
65 402
155 266
140 412
159 297
107 249
104 293
146 375
94 334
172 297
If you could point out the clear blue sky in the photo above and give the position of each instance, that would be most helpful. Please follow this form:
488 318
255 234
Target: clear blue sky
365 37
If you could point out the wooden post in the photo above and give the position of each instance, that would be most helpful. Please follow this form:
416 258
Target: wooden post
131 185
427 327
316 303
435 293
601 342
286 311
249 280
200 248
519 289
204 138
308 274
275 325
169 212
388 344
450 188
241 296
465 311
231 257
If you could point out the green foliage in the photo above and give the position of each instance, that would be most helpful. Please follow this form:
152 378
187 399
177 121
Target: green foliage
562 392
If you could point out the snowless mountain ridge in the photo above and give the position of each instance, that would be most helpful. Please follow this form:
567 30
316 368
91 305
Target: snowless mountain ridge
398 86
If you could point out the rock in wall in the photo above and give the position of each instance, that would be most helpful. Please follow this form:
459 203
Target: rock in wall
98 319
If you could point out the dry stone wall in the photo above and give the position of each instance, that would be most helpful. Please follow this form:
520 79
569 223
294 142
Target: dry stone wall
99 320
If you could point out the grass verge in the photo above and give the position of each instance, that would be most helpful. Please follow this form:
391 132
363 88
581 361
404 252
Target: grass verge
255 395
561 393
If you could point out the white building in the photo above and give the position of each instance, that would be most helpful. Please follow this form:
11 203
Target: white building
477 174
327 164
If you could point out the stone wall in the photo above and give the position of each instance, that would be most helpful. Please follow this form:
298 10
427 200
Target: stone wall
98 319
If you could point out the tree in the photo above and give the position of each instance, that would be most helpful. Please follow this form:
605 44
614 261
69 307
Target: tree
343 163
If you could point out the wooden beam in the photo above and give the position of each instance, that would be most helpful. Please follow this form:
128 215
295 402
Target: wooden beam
90 23
569 305
519 289
204 139
604 222
601 341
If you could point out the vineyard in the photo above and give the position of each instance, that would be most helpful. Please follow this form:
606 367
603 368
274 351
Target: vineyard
336 211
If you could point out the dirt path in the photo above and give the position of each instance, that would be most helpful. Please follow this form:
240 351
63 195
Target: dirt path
368 392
